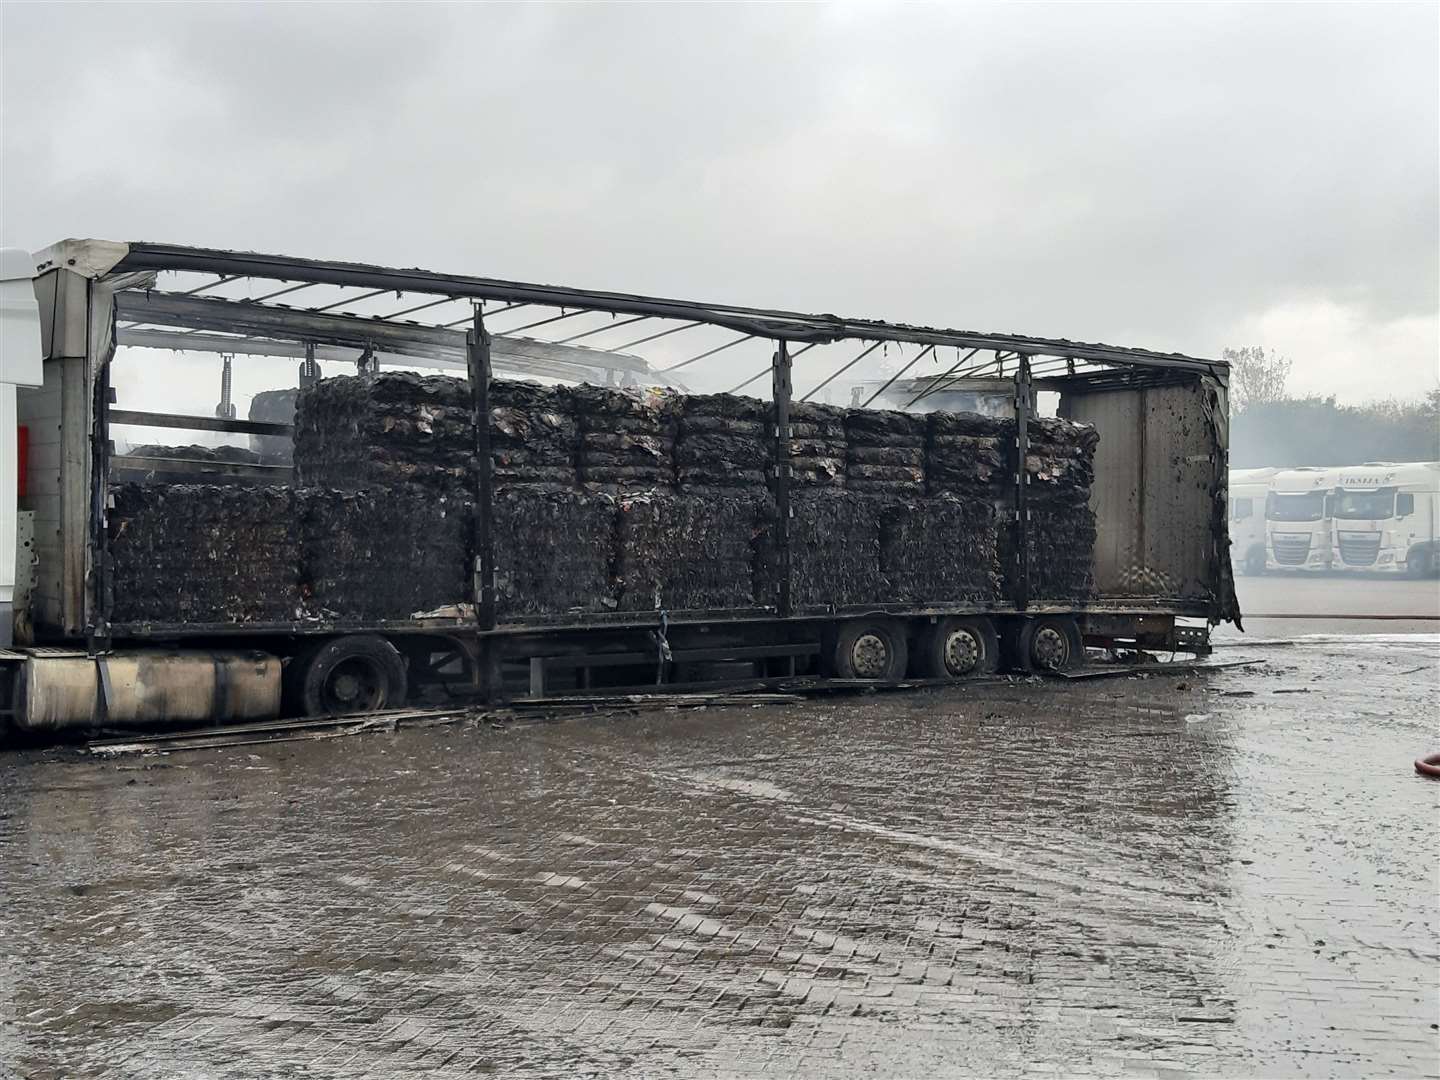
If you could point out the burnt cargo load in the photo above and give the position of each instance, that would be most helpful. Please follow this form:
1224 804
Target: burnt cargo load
554 552
627 442
383 555
609 500
722 442
204 553
689 551
356 433
885 452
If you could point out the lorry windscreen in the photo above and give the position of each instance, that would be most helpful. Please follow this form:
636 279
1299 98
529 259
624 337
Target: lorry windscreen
1309 506
1363 505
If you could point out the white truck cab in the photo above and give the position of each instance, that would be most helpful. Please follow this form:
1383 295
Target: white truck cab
19 366
1247 491
1297 522
1386 517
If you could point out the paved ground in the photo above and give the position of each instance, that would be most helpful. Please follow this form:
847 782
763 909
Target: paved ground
1320 595
1228 874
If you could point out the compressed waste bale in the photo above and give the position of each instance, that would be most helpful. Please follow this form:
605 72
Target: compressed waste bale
834 550
721 442
186 465
1061 460
355 432
940 549
274 407
534 436
818 446
685 551
204 553
384 554
553 552
627 440
967 453
885 451
1061 551
361 432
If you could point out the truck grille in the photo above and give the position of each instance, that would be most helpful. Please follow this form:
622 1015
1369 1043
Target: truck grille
1359 549
1291 550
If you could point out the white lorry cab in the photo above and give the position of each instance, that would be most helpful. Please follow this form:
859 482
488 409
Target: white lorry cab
1247 491
1385 516
1297 522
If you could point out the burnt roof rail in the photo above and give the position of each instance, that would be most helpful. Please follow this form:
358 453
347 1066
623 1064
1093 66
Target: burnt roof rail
760 322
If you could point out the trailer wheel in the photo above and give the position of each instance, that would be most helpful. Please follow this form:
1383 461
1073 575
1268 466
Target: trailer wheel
1046 643
1420 562
869 650
959 648
356 674
1254 565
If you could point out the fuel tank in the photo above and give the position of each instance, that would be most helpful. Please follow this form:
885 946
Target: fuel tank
144 688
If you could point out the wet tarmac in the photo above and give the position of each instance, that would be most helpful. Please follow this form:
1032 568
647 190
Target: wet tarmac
1224 874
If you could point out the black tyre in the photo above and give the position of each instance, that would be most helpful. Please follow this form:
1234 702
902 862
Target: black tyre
960 648
869 650
361 673
1045 643
1420 562
1254 565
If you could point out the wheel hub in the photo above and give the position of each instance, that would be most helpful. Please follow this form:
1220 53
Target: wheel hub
870 656
1050 649
962 652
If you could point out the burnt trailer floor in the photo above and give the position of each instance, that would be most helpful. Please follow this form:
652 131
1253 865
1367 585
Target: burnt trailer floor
1230 873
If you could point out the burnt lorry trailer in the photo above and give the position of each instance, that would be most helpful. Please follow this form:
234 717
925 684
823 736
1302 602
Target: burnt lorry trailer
470 486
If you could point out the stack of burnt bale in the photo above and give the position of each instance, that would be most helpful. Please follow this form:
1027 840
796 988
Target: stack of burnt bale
552 540
696 548
818 446
627 443
204 553
973 457
1060 468
156 464
885 452
385 465
356 432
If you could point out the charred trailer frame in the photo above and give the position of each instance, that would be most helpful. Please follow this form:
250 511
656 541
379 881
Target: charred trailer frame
1159 493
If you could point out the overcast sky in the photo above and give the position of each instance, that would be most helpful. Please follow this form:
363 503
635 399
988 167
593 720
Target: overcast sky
1169 176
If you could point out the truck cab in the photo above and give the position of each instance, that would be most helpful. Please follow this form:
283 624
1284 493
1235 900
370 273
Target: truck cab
1384 518
1247 491
1297 521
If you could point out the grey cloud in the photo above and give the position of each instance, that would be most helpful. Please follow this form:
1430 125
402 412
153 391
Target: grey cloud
1149 174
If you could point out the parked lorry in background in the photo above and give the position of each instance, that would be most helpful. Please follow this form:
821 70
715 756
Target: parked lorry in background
1385 517
1248 492
1297 521
114 637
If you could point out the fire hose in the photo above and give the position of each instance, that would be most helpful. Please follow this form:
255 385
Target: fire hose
1429 766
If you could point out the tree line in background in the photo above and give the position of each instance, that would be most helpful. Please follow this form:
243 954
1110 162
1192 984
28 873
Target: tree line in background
1268 427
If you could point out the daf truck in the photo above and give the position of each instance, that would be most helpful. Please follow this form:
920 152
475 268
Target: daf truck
1385 517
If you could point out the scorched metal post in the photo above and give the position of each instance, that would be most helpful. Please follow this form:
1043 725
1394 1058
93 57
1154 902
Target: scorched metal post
478 355
1022 483
780 391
